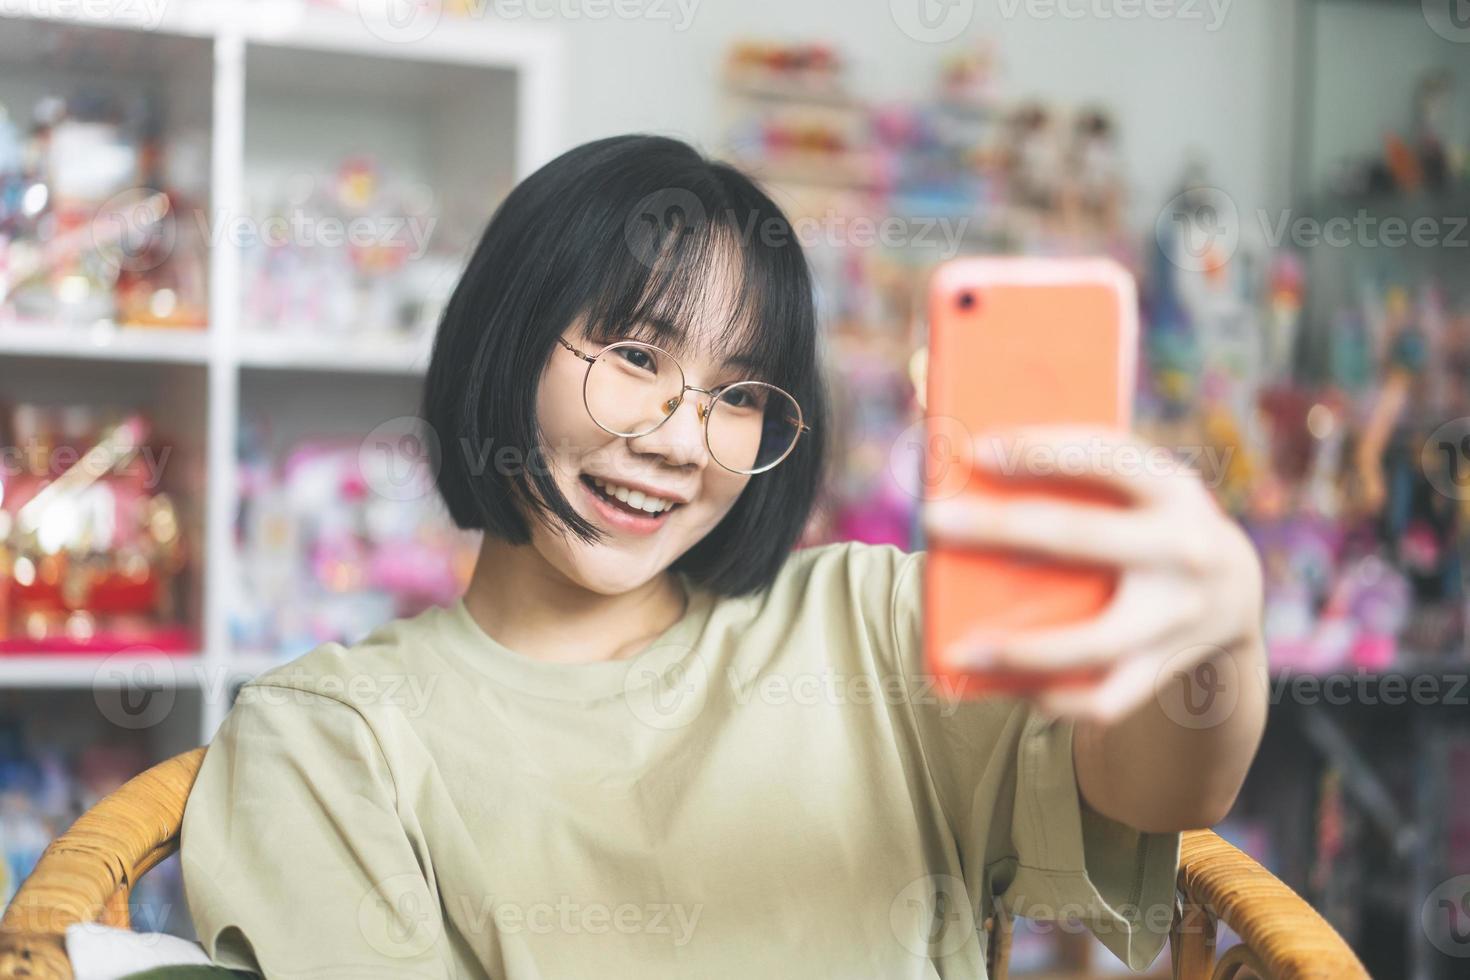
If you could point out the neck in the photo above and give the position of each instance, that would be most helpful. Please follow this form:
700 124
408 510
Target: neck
529 606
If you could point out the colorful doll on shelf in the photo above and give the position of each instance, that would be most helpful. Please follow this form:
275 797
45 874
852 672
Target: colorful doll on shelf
1035 164
1228 465
813 69
377 286
1332 601
170 293
1286 277
1298 557
1404 363
1193 232
1092 188
969 78
90 552
162 261
1419 525
1374 599
1433 115
13 184
361 195
871 503
323 555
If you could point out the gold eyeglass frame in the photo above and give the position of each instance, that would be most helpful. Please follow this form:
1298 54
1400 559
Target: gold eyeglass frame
704 411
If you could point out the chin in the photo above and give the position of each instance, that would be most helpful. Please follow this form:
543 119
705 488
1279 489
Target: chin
609 571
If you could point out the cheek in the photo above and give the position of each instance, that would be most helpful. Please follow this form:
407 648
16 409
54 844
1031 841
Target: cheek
564 421
720 492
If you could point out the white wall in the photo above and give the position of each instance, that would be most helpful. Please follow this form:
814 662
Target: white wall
1358 105
1215 80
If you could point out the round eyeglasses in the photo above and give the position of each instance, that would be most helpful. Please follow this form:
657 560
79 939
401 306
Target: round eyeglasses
632 388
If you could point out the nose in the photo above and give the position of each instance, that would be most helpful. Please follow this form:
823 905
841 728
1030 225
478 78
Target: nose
680 440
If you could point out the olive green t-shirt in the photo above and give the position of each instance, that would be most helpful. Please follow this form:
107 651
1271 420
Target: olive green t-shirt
772 788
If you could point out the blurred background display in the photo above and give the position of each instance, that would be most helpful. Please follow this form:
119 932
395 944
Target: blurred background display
228 230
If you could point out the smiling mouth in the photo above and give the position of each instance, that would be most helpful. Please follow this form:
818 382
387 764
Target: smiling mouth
624 506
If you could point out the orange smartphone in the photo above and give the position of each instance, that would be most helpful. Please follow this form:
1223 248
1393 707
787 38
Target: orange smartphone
1016 342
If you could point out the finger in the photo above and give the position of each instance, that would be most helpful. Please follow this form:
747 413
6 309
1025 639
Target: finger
1141 616
1063 530
1139 470
1122 691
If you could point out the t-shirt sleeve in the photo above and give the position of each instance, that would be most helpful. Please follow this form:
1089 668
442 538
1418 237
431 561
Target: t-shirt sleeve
1006 783
295 861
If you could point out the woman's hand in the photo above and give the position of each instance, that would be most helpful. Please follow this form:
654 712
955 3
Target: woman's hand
1186 614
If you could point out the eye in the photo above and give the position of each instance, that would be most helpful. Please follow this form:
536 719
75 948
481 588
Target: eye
744 397
638 358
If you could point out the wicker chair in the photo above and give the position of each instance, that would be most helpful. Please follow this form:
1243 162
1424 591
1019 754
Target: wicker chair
88 872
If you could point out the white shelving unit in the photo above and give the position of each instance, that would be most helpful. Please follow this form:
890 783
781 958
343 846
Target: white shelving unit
467 110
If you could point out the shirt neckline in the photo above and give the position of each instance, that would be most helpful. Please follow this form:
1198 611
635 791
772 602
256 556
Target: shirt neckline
579 681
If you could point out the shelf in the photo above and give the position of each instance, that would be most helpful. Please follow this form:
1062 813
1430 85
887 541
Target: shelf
433 37
99 672
775 87
105 342
1445 205
407 357
121 40
273 93
443 38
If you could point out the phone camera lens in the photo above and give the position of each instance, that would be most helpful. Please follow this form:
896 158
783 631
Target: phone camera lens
966 300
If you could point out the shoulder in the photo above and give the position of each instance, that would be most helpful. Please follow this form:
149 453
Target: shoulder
845 570
840 598
368 674
336 702
825 577
852 562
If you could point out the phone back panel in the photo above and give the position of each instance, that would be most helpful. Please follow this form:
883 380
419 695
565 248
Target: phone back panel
1040 341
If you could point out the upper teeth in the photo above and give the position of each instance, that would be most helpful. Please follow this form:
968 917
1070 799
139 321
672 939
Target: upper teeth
634 498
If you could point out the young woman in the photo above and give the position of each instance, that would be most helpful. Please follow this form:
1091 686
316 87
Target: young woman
655 740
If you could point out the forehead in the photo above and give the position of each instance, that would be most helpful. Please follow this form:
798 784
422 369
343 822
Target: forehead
709 299
707 308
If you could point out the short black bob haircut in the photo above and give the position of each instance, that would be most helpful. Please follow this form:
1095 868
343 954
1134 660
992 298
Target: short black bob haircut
625 233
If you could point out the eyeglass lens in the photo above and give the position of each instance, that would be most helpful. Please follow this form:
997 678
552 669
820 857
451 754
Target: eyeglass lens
631 389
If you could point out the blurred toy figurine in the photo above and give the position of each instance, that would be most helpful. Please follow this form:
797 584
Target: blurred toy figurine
1432 114
969 77
1418 524
1287 279
1405 364
1092 185
1196 230
92 553
1035 161
814 67
323 556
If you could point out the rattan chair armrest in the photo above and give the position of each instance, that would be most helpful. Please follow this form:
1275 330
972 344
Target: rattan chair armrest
87 874
1283 937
